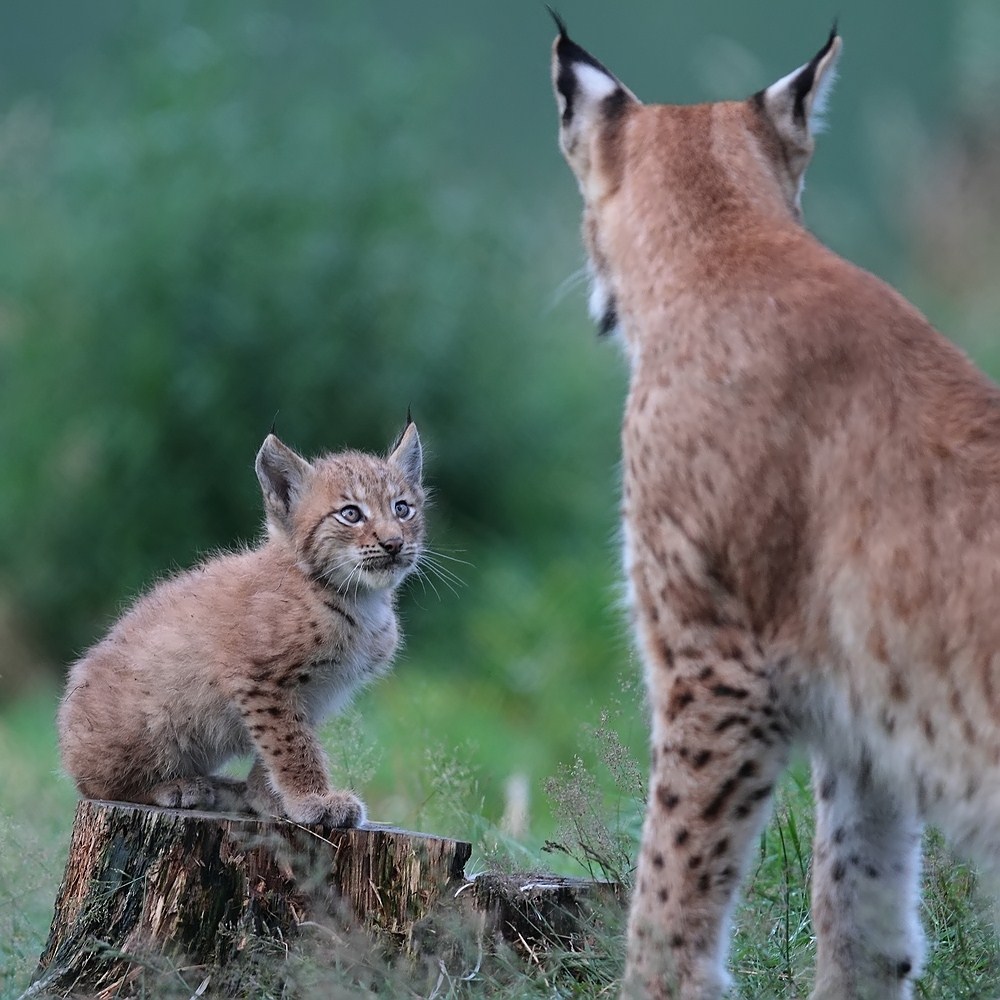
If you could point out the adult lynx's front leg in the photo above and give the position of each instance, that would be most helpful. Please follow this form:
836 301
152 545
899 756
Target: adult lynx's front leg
719 741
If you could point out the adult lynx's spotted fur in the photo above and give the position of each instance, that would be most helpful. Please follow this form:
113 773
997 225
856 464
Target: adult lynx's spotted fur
248 652
812 533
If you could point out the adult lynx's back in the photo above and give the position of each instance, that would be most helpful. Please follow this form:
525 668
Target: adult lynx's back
812 533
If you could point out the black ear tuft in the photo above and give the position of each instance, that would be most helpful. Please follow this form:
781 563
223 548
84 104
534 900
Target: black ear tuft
402 433
560 23
806 79
795 103
581 81
283 475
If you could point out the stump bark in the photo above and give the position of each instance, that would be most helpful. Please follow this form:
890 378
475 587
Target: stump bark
148 889
144 882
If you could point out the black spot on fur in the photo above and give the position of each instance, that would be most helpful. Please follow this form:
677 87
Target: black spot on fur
727 691
730 720
714 807
667 798
609 320
828 787
334 606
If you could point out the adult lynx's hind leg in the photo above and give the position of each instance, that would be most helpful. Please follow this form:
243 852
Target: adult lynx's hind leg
719 744
866 871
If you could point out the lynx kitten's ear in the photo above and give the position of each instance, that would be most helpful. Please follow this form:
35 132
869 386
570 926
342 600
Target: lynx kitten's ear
407 452
283 474
587 95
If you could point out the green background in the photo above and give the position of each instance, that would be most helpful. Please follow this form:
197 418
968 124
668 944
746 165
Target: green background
214 212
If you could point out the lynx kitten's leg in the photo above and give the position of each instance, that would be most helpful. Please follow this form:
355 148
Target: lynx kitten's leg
719 743
211 792
292 766
866 872
262 797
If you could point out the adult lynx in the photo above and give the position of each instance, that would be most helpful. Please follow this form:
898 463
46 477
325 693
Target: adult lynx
812 532
248 652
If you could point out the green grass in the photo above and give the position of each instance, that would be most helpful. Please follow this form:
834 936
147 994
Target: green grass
36 815
395 750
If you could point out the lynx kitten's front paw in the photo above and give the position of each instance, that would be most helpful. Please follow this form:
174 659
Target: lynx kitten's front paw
332 809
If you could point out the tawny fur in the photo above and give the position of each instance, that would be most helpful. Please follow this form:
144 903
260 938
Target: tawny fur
812 534
248 652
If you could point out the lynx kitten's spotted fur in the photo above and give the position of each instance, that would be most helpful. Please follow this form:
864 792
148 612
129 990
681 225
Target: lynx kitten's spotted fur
812 533
248 652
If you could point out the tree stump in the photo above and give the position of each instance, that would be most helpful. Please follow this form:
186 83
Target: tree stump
142 882
536 913
149 892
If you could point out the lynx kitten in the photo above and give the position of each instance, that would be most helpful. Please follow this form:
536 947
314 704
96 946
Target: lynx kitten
812 533
248 652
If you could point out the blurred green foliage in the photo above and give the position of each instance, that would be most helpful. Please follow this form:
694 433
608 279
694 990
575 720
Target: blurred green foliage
216 211
241 216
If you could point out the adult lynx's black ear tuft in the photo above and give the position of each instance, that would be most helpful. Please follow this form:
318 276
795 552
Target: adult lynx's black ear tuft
812 84
560 23
797 101
584 88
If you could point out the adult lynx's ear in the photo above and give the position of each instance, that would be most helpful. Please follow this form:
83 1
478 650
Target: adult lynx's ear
283 475
795 104
587 94
407 452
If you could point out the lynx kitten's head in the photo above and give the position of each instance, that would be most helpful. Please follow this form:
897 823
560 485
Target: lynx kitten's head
656 175
354 519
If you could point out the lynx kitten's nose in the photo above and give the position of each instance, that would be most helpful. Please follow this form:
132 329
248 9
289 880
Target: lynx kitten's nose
392 545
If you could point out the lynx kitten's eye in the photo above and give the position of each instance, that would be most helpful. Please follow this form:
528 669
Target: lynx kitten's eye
403 510
351 514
